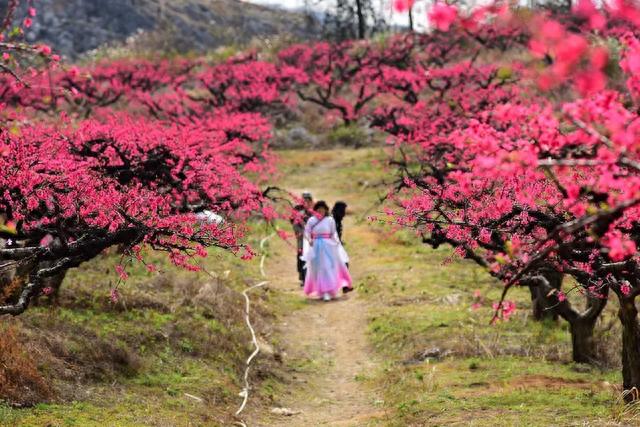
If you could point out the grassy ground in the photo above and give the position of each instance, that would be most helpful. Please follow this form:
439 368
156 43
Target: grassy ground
169 353
505 374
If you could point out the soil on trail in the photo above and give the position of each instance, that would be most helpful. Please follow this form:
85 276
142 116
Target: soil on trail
326 349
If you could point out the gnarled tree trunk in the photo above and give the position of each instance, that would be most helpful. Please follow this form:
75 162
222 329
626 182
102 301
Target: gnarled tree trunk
12 273
362 25
542 304
628 315
581 324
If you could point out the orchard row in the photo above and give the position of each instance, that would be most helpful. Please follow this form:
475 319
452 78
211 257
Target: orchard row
513 137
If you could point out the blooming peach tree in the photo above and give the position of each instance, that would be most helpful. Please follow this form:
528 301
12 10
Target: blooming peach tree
538 173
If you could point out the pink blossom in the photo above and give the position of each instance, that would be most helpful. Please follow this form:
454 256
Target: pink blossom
570 49
248 254
506 309
402 6
591 81
46 240
44 49
114 295
552 30
620 246
632 60
121 272
485 235
573 191
599 58
442 16
625 288
588 10
537 48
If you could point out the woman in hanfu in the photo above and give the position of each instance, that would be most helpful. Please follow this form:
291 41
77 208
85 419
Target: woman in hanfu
324 255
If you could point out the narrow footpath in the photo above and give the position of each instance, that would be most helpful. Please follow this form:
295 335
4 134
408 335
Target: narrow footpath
326 349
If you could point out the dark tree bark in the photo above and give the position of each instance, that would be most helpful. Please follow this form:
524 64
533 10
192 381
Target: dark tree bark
362 25
411 18
48 265
54 282
542 304
581 323
628 315
582 327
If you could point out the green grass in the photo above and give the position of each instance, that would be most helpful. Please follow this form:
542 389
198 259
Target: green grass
133 362
509 373
132 410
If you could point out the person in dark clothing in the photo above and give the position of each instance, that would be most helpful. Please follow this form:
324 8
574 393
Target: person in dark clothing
338 213
303 212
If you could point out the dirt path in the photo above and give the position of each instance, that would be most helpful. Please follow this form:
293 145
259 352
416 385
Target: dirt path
327 353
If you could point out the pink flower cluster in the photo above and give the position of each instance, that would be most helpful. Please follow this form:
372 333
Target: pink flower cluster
505 308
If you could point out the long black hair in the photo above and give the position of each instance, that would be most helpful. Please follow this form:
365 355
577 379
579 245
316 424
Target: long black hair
338 212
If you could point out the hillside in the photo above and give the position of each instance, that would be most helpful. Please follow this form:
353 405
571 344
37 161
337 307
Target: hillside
74 27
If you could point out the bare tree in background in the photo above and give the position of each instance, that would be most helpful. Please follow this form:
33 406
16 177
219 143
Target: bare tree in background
352 19
411 16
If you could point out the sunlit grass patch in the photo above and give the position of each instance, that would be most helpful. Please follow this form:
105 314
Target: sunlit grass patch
466 390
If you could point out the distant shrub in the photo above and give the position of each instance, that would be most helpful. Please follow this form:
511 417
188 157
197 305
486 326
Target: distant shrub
20 382
223 53
351 135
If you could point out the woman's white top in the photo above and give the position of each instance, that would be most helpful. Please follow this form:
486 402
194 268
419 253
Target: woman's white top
326 229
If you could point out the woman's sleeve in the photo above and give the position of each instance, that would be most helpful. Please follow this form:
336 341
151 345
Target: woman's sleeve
307 228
